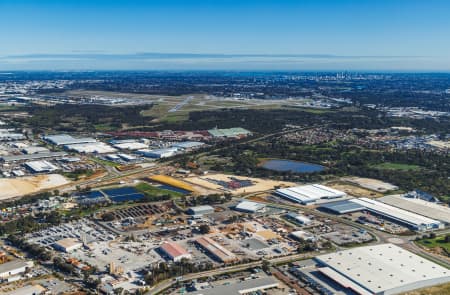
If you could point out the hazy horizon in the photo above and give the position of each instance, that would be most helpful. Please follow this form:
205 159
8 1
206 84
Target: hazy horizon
397 35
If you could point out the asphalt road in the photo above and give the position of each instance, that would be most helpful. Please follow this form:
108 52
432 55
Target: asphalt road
166 284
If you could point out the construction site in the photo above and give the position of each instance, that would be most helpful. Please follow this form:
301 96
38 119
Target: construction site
235 184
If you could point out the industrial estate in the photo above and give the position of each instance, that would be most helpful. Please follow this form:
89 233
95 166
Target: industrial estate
115 193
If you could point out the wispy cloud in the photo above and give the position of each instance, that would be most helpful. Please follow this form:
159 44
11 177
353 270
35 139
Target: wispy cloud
86 60
159 55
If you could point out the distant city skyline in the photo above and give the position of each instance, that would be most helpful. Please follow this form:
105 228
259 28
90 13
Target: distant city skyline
396 35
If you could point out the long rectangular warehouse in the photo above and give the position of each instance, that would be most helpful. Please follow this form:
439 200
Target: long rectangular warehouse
412 220
419 206
253 286
341 207
65 139
381 269
16 158
307 194
216 250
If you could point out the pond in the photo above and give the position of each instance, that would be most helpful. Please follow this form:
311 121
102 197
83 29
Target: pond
294 166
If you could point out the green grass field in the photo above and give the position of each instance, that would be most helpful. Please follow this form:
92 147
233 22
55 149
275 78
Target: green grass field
396 166
436 242
104 162
155 191
200 102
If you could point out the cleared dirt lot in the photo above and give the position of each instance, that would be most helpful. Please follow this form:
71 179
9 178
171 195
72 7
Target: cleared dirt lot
16 187
354 190
258 184
370 183
436 290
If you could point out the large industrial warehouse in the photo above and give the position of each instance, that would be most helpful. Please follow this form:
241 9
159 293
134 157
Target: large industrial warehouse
216 250
249 207
64 139
341 207
14 267
412 220
174 251
67 245
419 206
308 194
41 166
93 147
381 269
245 287
158 153
200 210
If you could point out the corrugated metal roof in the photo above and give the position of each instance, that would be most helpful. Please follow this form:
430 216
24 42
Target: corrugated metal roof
342 207
173 249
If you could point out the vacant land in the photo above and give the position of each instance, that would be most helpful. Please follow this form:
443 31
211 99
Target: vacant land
354 190
371 184
10 188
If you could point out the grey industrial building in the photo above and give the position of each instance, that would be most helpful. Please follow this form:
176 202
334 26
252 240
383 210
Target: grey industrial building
200 210
65 139
341 207
245 287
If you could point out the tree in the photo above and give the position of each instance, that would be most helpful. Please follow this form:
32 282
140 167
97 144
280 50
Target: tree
204 229
265 265
108 216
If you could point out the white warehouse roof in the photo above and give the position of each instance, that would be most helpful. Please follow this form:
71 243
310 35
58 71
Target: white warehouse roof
187 144
14 267
299 218
64 139
41 166
309 193
248 206
131 146
425 208
382 269
304 235
158 153
94 147
67 244
35 150
412 219
200 210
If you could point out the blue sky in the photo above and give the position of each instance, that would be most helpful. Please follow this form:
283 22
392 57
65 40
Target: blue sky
401 35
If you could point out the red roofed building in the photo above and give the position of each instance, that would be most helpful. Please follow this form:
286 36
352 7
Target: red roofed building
174 251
